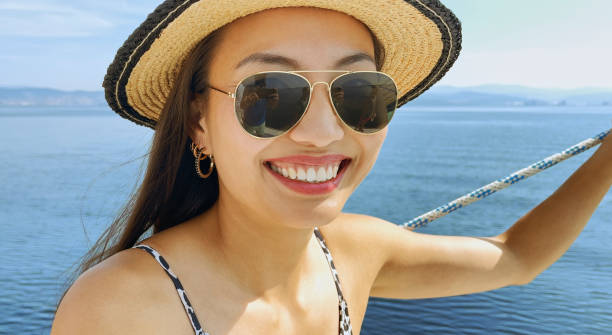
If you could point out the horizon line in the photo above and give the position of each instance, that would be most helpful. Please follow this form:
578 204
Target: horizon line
602 88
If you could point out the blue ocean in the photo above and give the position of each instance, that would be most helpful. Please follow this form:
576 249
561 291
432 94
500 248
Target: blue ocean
65 174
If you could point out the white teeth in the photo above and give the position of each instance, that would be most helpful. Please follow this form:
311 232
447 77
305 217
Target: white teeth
301 174
321 175
311 175
308 174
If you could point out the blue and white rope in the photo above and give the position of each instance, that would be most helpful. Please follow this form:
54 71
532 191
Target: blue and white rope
500 184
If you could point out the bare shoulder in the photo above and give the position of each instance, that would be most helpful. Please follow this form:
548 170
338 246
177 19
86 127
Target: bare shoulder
358 240
362 232
402 264
357 244
359 224
112 297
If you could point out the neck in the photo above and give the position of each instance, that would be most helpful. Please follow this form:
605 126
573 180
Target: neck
266 258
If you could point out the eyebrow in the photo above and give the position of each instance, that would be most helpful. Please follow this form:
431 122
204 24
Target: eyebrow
269 58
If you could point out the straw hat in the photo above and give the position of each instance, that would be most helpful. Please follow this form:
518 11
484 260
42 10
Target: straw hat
421 38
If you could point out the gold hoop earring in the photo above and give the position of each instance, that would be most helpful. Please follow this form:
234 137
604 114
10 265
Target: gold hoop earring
200 156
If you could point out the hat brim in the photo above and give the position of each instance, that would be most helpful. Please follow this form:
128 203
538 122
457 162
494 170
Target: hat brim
421 39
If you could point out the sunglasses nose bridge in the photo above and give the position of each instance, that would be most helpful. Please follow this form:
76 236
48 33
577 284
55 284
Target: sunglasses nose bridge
312 87
318 125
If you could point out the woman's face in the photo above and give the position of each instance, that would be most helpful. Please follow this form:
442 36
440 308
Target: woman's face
301 39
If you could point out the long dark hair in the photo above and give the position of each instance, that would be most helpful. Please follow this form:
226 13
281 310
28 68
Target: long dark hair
171 192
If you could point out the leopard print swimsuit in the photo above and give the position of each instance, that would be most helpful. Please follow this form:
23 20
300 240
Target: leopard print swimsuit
345 322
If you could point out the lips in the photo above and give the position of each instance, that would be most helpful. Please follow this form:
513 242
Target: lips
309 174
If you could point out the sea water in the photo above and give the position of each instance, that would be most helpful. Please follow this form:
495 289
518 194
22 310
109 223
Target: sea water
65 173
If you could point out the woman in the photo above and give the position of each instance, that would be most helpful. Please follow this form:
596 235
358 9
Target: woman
248 225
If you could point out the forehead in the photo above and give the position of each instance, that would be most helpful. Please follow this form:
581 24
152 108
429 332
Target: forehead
314 38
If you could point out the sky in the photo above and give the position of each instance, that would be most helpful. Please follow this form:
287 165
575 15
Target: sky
68 44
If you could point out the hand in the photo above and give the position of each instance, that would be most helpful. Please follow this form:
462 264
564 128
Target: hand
604 154
273 99
606 144
249 100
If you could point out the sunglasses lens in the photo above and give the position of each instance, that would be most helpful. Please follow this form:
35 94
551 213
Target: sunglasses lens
269 104
365 101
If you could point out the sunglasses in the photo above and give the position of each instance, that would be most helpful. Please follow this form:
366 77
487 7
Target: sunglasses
269 104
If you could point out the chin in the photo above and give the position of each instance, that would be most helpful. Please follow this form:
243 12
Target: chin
318 216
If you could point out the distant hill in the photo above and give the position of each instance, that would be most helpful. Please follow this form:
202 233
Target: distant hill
465 97
510 95
442 96
15 96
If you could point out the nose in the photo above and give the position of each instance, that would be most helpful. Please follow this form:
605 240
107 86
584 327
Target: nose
319 126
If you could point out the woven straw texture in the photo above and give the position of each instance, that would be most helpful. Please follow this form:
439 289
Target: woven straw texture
421 38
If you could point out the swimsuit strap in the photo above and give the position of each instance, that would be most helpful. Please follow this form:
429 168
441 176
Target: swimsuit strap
345 321
197 328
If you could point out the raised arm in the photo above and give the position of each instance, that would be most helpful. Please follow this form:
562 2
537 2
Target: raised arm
417 265
542 235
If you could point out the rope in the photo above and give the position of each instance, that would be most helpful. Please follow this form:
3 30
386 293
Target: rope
500 184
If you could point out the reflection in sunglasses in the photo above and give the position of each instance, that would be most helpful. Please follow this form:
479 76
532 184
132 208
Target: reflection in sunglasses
269 103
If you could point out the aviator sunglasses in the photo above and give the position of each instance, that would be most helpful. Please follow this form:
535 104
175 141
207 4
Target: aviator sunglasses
269 104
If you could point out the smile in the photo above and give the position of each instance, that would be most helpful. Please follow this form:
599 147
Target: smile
309 174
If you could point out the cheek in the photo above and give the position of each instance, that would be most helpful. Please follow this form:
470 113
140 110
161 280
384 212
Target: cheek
223 128
370 148
236 152
373 144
